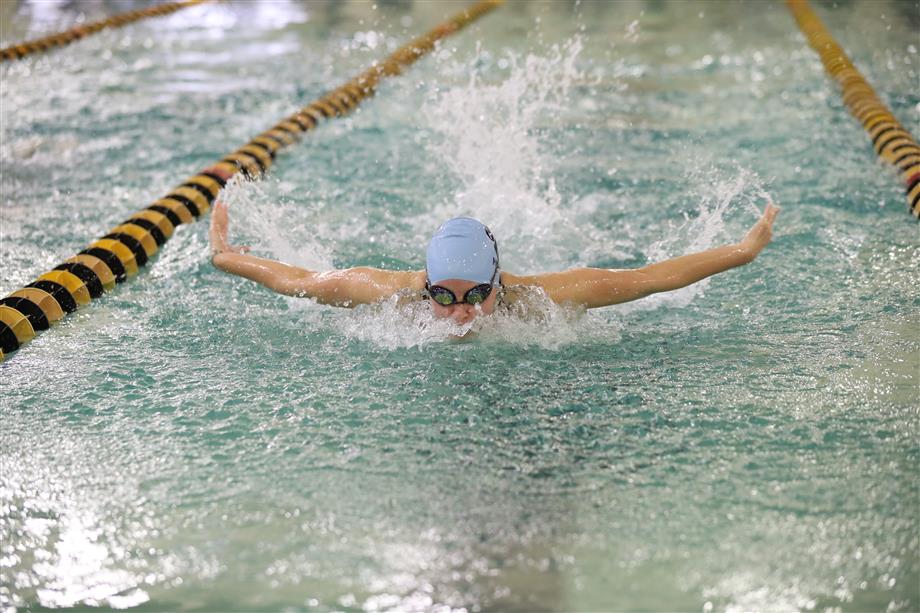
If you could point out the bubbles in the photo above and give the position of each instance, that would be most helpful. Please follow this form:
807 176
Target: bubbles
391 325
632 31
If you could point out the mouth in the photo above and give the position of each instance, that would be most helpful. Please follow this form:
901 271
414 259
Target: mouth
464 331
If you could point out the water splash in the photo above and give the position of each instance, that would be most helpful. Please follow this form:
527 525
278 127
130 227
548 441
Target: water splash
280 227
540 322
722 194
490 140
45 148
488 137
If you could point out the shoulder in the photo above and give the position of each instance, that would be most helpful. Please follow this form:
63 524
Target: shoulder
509 279
519 299
406 286
515 287
363 285
393 280
402 279
545 280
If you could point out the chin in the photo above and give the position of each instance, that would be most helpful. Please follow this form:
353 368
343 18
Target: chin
466 336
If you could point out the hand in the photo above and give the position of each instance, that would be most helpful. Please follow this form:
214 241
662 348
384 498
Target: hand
219 225
761 232
220 172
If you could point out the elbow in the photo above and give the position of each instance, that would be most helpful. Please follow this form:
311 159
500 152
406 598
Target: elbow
646 282
219 260
744 256
227 261
633 285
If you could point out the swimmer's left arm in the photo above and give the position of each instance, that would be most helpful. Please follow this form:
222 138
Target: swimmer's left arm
598 287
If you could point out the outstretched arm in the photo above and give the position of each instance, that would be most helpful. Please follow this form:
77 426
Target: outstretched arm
598 287
346 288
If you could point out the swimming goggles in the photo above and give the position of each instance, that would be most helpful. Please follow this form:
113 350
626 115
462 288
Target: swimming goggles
474 295
445 297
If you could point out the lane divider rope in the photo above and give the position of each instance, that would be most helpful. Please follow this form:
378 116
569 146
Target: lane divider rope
38 45
891 141
130 245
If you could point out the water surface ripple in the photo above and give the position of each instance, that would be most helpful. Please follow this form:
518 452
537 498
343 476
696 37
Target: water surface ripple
194 442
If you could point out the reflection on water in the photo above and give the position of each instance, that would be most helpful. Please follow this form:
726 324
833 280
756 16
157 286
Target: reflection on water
72 554
194 441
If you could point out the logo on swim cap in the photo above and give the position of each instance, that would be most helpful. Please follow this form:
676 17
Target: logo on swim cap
463 248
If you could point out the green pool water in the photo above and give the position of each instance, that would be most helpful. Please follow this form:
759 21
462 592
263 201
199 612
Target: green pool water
192 441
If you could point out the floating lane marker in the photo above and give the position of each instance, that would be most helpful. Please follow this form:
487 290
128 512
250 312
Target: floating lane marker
130 245
891 141
15 52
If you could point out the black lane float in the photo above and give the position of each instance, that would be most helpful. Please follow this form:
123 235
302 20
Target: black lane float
890 140
121 251
38 45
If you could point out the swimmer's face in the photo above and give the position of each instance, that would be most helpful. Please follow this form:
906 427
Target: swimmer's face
463 313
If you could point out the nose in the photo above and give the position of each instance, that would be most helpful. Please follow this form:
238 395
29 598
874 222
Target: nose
463 313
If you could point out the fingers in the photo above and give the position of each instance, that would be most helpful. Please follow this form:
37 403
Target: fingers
219 215
218 230
220 172
766 222
770 213
761 232
772 210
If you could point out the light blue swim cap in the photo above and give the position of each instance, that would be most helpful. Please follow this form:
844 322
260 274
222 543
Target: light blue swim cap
462 248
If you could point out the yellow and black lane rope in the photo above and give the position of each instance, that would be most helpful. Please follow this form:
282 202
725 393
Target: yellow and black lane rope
128 246
892 142
15 52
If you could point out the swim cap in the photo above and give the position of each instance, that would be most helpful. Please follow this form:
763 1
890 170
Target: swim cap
462 248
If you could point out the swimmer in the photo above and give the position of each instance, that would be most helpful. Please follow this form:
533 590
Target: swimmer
463 278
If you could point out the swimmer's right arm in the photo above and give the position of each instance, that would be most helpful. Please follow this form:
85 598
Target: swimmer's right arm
345 288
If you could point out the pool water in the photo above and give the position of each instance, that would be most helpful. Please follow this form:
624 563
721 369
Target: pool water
192 441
